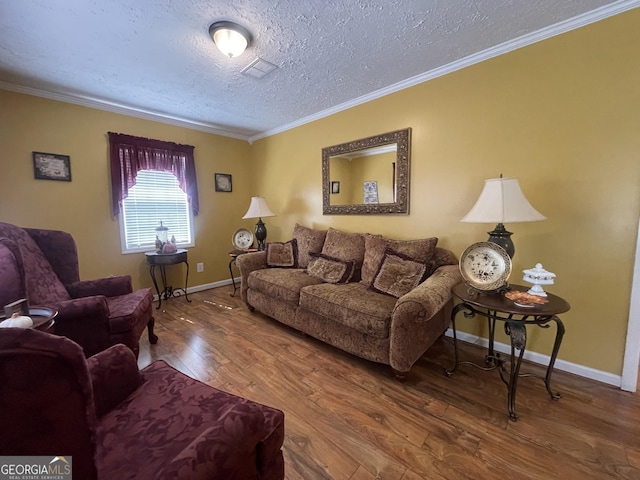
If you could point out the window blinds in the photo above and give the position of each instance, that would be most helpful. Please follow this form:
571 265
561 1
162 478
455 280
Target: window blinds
156 197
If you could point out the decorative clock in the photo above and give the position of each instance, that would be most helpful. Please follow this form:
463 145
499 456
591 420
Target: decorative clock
242 239
485 266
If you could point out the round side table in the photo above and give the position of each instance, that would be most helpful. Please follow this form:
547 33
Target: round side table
497 308
43 318
162 260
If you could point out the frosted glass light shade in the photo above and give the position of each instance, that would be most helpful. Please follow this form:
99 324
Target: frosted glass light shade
258 209
230 38
502 201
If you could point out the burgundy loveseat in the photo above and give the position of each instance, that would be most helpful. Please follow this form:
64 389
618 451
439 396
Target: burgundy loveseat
117 422
42 266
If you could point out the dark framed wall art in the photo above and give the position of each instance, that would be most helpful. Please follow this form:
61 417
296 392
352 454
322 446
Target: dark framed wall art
335 187
223 182
51 166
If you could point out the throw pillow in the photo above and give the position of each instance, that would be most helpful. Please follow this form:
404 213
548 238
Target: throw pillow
309 241
330 270
348 247
421 250
398 275
282 255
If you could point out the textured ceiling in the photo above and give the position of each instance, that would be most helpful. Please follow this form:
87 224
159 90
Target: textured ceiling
155 58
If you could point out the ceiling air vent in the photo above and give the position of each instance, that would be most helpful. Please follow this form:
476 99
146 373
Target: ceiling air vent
258 68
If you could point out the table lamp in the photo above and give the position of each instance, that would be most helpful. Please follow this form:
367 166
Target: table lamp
258 209
502 201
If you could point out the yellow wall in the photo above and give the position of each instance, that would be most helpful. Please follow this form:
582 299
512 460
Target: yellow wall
562 115
83 206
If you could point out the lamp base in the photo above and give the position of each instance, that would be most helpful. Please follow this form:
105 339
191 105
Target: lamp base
261 234
500 236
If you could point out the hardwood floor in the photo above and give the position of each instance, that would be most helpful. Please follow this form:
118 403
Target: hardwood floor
346 418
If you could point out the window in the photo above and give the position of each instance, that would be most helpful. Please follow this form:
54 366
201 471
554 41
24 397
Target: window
152 181
156 197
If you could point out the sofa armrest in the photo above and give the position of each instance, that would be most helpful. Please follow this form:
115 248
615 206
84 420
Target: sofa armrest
85 321
86 309
109 287
434 292
421 316
114 375
247 263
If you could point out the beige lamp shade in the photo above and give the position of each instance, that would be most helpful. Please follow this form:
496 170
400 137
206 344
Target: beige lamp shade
502 201
258 209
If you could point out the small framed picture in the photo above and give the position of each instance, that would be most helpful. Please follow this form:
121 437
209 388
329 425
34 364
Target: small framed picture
335 187
51 166
21 307
223 182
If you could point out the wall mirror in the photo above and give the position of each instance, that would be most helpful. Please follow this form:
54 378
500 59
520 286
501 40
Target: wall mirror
367 176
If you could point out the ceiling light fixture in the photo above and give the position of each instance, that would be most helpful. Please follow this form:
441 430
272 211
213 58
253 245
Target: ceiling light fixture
230 38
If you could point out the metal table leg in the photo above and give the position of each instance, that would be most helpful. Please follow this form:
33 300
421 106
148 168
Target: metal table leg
152 271
233 280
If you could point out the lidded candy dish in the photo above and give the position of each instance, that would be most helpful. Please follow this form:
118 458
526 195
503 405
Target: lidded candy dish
538 276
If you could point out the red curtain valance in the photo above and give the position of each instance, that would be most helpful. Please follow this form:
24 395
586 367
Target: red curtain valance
129 155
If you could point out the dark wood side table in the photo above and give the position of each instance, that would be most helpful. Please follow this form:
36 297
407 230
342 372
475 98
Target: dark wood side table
43 318
495 307
234 254
161 260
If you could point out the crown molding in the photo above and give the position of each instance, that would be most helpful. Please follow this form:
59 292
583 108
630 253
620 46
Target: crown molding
122 110
506 47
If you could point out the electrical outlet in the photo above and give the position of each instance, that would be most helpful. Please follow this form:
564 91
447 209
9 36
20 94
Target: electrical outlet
200 267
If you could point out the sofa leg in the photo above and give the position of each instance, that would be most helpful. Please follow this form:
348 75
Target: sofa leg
153 338
400 376
251 309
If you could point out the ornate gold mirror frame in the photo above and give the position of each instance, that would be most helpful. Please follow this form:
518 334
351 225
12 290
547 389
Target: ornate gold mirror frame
402 141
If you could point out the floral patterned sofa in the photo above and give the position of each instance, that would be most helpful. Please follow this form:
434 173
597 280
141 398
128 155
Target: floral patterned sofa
381 299
118 422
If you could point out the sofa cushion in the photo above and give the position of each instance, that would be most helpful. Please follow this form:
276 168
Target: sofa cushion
352 305
348 247
308 241
329 269
398 275
422 250
125 311
281 283
284 255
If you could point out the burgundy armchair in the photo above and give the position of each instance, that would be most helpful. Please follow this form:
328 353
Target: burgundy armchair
42 266
118 422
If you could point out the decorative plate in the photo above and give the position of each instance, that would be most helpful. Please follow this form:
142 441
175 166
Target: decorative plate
242 239
485 266
525 299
